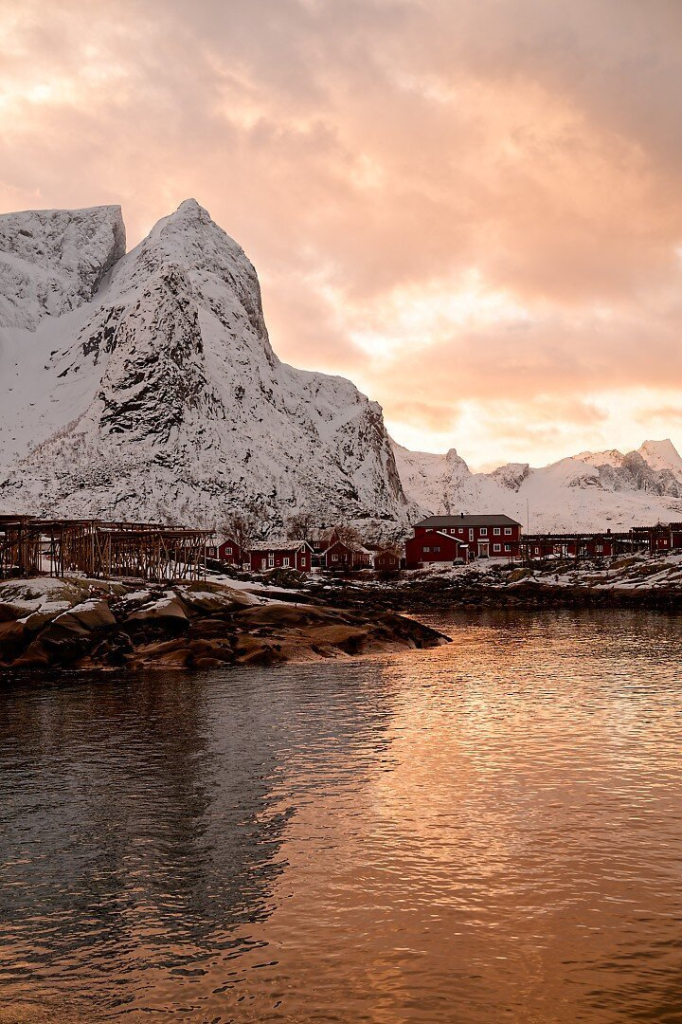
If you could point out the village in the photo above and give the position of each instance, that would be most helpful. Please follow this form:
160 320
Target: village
32 546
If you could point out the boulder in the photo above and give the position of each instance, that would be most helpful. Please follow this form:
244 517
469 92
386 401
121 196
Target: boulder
166 608
13 639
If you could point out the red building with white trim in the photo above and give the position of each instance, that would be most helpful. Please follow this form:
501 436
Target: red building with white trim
285 554
346 555
433 546
230 552
485 536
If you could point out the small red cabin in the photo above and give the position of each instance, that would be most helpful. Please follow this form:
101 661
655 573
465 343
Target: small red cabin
286 554
346 555
229 551
386 561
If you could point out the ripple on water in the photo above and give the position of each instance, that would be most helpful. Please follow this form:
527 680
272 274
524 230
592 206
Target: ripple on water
486 831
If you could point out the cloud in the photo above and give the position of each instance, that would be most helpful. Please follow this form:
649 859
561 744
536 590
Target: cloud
452 201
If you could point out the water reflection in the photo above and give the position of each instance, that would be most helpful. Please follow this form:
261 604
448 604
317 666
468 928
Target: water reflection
483 832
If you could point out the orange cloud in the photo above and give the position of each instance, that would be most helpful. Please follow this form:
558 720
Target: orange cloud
452 201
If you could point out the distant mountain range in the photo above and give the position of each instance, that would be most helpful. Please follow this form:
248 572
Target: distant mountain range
590 491
143 385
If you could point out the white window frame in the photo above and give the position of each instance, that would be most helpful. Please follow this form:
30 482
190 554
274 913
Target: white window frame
496 531
286 562
507 547
507 531
271 559
483 531
497 547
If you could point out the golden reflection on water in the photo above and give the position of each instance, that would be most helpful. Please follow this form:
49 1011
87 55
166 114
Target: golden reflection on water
484 832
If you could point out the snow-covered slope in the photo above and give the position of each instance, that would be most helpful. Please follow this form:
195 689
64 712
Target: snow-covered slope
144 385
592 491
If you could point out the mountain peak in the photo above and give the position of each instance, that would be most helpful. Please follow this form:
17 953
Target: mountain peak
661 454
52 261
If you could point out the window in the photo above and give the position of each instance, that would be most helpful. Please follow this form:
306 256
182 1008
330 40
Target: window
426 549
497 547
599 548
507 531
303 561
537 551
335 558
496 531
286 561
271 559
507 547
228 550
484 531
461 530
437 548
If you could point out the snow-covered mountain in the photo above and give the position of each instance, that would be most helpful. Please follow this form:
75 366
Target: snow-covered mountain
591 491
144 385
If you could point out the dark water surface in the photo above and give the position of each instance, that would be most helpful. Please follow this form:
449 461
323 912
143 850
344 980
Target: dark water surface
486 832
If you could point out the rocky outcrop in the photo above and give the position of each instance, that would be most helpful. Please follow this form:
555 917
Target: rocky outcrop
195 626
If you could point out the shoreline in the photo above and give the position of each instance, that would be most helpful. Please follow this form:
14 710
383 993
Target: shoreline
635 582
84 625
81 624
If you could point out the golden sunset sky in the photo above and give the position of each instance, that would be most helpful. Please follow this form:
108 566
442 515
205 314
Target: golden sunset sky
472 208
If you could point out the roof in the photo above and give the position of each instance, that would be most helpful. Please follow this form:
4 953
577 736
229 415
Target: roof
351 545
439 522
278 545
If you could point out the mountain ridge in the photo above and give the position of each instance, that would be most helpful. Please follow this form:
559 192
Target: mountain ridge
589 491
143 385
158 394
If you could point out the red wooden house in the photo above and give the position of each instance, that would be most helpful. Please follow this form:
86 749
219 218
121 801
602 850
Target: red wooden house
493 536
281 554
346 555
434 546
568 545
230 552
387 560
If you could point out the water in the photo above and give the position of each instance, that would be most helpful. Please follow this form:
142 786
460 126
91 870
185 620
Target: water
486 832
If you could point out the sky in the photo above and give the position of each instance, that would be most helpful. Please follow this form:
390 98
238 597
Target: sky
472 208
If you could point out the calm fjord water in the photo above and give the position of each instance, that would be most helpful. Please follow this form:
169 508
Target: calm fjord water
486 832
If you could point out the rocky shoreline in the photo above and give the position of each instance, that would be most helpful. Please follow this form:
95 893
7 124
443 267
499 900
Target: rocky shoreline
90 624
638 582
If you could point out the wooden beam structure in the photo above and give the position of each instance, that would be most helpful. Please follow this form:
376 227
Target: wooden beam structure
100 549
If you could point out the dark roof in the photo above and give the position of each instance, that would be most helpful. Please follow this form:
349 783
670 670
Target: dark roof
439 522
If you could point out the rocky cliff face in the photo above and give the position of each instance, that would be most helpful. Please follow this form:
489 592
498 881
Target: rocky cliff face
144 385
